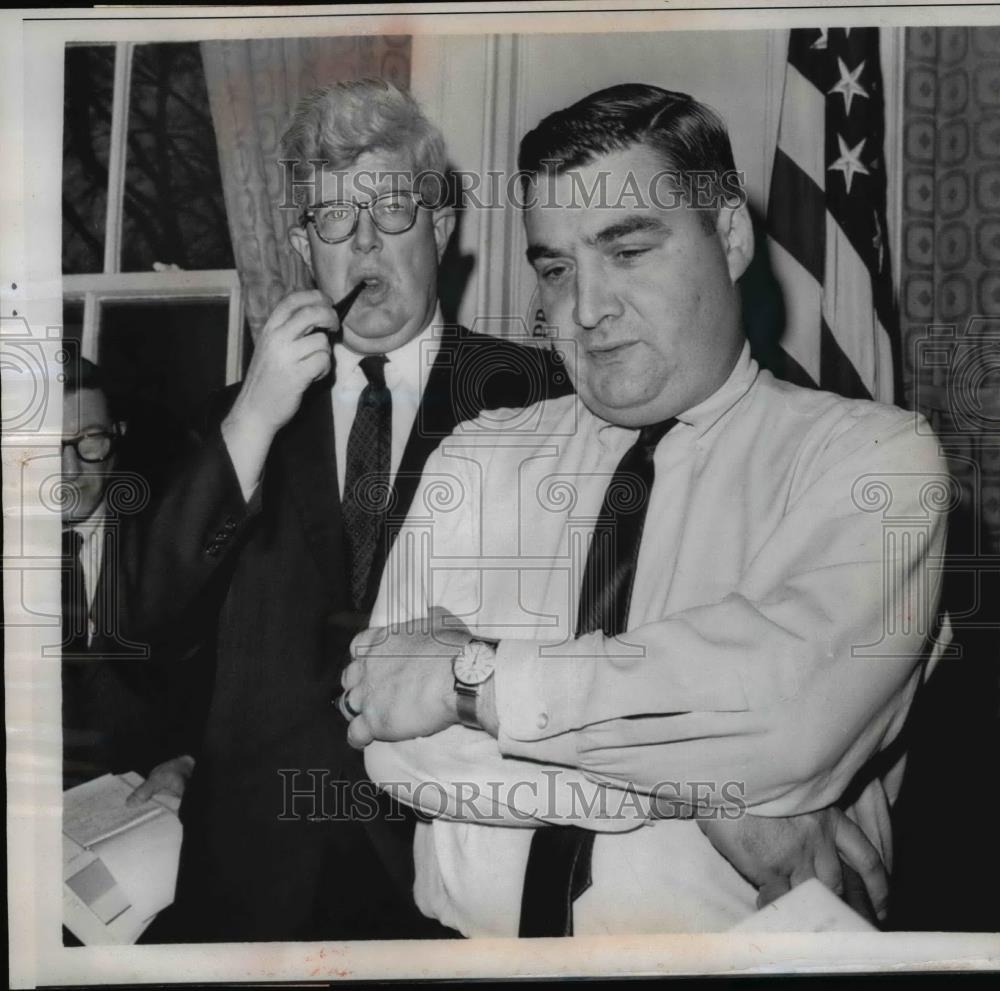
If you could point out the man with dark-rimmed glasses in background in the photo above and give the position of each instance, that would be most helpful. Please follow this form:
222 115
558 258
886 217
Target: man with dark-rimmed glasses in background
117 705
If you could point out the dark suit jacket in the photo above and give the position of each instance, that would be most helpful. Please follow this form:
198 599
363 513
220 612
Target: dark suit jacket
112 690
284 837
126 706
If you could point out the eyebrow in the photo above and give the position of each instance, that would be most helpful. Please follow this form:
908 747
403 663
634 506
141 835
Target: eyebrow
536 251
632 225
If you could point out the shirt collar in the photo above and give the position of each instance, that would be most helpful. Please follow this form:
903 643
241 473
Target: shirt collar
709 411
93 523
407 366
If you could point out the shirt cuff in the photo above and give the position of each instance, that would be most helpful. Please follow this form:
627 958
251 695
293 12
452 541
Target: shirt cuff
537 696
242 456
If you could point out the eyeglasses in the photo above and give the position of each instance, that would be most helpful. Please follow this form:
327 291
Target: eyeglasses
392 213
94 446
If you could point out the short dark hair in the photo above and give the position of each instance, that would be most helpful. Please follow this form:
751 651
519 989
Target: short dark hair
81 373
689 136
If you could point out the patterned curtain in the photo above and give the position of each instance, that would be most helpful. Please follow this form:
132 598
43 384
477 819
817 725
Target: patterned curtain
253 86
950 286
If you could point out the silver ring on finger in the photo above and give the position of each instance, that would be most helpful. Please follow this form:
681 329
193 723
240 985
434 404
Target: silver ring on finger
347 710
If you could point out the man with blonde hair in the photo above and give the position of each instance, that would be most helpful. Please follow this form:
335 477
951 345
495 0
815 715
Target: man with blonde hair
270 545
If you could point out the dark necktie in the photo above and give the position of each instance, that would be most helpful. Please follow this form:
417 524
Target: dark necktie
366 480
558 870
75 619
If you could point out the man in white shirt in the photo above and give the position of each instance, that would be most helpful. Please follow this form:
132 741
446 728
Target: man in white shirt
747 627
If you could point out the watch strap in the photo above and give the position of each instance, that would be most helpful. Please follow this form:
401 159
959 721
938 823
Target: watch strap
467 696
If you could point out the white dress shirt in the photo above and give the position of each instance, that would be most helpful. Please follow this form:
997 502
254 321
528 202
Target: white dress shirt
406 372
784 593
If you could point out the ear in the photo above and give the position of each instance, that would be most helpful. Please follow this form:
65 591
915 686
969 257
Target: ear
444 227
299 240
735 230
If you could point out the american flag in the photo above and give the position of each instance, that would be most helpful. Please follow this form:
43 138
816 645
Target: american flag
826 216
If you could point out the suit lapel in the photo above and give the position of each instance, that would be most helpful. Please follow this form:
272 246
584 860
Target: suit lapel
307 475
436 418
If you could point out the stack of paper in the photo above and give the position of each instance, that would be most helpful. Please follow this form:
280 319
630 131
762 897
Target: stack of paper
119 861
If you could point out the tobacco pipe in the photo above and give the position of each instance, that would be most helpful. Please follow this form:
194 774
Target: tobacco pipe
347 302
341 308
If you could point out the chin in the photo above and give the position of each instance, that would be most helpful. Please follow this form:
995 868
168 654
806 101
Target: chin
631 412
78 516
370 338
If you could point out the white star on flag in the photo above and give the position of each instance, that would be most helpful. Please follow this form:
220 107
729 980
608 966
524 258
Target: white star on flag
849 87
849 162
821 42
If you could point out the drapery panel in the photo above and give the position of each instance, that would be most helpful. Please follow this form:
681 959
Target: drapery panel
253 87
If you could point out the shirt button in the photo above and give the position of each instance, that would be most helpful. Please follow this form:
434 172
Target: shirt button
543 720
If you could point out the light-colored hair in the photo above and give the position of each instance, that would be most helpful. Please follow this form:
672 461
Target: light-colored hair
340 123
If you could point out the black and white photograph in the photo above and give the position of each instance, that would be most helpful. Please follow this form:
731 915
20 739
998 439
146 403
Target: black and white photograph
500 491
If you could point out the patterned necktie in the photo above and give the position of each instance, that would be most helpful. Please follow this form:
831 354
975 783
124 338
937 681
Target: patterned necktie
558 870
366 480
75 619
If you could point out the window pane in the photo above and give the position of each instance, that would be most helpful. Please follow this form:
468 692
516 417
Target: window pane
168 355
174 210
89 81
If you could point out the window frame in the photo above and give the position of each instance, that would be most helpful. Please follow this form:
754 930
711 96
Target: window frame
93 290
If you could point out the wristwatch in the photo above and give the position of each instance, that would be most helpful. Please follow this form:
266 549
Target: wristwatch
472 667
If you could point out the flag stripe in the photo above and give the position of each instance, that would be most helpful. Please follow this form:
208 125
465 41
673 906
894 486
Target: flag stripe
806 58
800 132
797 217
787 368
847 303
803 307
881 302
839 375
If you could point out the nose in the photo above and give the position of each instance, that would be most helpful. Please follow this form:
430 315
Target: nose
70 462
595 297
367 237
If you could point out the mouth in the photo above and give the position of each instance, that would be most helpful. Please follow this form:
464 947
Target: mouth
376 288
608 352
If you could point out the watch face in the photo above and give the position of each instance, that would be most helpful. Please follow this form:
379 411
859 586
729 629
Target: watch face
474 664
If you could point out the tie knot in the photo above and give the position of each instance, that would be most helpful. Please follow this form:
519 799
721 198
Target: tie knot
652 434
373 365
